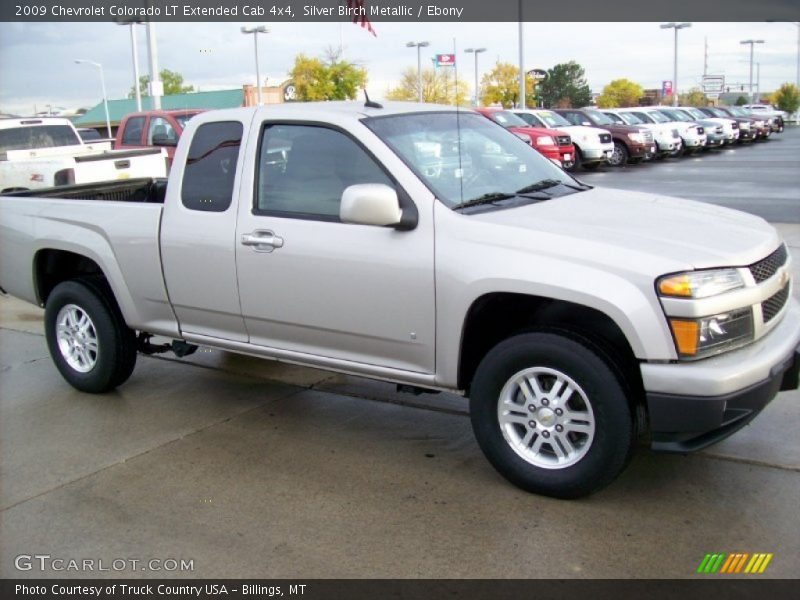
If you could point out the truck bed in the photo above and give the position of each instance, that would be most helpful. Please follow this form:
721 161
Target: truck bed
147 190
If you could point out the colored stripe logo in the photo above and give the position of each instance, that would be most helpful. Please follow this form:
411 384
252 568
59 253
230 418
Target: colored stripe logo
737 562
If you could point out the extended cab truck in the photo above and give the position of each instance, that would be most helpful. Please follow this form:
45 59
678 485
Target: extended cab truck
43 152
593 146
555 145
631 144
426 246
153 129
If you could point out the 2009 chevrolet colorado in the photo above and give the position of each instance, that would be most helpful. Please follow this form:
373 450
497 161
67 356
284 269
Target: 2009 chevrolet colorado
425 246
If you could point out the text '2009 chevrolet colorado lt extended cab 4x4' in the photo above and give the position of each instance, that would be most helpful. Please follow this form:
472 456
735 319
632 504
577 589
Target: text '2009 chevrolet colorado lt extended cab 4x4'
425 246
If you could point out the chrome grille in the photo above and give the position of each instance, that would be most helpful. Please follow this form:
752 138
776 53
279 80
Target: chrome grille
605 138
676 134
718 129
767 267
563 140
648 136
773 305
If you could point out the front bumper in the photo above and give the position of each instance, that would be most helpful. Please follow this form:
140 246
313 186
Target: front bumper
693 405
601 154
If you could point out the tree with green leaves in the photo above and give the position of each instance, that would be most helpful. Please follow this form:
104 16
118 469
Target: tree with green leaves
787 97
438 87
694 97
173 84
620 93
501 85
565 86
741 101
315 79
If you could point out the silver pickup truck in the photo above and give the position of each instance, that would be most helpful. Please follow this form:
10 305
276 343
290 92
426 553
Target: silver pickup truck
429 247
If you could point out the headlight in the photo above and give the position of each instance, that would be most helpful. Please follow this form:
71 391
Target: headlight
636 137
698 338
700 284
545 140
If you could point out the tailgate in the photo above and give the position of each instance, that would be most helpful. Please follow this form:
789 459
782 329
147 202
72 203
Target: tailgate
132 164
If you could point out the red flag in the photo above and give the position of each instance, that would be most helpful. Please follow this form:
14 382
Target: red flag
360 15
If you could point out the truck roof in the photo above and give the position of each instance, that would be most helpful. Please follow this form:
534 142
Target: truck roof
11 122
351 108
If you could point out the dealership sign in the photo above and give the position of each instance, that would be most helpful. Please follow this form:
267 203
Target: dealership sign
666 88
445 60
713 84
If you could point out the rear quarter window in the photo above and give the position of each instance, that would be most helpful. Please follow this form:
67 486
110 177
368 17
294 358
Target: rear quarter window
211 166
132 134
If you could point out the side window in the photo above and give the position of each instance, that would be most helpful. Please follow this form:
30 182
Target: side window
160 127
132 136
303 170
211 166
615 118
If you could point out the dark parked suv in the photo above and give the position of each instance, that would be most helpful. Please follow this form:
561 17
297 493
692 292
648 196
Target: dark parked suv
631 144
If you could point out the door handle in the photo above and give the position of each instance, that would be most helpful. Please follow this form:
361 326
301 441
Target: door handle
262 240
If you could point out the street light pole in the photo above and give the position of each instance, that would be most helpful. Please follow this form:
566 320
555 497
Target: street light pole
752 44
255 31
418 46
135 55
476 51
676 27
81 61
156 87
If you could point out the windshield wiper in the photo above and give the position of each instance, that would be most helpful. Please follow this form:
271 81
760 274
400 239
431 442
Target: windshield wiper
485 199
545 184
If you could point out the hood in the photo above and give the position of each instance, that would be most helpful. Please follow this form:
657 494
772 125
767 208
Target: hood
636 231
580 132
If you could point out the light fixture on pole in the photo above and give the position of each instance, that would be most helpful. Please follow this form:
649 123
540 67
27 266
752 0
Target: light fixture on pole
476 51
82 61
418 46
752 43
676 27
255 31
135 55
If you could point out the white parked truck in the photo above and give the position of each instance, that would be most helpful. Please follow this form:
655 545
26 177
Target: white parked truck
426 246
44 152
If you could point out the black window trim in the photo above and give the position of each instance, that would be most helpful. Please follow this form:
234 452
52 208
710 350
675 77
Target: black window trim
236 169
410 213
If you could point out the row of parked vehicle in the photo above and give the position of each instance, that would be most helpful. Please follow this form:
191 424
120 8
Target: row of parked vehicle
589 137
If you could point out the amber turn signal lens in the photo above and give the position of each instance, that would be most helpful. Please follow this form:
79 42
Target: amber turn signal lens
685 333
675 286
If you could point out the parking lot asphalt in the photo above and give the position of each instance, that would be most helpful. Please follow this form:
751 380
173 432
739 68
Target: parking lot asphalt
252 468
758 177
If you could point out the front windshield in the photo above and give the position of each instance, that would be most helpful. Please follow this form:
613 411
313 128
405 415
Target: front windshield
717 112
531 119
631 119
738 111
658 117
553 119
676 115
696 113
462 156
598 118
507 119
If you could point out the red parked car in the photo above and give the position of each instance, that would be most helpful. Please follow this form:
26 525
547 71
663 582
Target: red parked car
160 128
551 143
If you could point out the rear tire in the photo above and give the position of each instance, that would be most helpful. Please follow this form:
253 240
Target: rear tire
91 346
571 434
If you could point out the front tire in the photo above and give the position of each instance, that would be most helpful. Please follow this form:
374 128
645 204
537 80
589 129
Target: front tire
619 158
551 415
89 342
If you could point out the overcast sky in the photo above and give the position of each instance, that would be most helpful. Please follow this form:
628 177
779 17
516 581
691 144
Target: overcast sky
37 59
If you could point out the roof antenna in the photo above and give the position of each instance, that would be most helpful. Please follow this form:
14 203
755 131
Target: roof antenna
369 103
